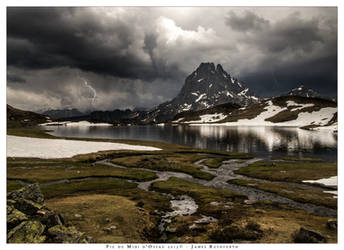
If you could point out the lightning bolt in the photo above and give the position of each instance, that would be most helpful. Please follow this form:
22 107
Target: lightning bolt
87 85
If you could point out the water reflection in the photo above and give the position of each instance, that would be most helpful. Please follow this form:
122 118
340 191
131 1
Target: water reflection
269 141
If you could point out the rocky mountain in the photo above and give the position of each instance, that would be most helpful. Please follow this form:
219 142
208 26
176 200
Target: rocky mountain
20 118
204 88
62 113
307 92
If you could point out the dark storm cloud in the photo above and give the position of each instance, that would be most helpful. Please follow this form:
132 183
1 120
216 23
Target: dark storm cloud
141 56
246 22
296 51
73 37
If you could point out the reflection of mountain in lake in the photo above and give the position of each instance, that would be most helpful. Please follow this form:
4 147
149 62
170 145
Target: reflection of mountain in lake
258 140
248 138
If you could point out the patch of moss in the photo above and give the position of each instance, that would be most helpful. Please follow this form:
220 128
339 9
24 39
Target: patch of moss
298 194
214 162
13 185
106 218
299 159
50 173
289 171
202 194
175 163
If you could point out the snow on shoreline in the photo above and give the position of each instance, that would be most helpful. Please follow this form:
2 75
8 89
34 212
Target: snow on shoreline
60 148
331 182
80 123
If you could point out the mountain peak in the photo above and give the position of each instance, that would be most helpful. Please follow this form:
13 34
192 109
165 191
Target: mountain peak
204 88
219 68
206 66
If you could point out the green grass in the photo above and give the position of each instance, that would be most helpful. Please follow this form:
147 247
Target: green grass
202 194
289 171
50 173
214 162
174 163
13 185
298 194
150 201
30 132
300 159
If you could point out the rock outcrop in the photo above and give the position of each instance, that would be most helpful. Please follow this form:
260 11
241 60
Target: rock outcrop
30 221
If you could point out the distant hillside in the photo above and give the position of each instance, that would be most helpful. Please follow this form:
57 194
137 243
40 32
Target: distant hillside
280 111
307 92
19 118
62 113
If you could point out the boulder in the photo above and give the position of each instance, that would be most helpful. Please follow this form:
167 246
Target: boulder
27 206
49 218
30 221
27 232
308 236
62 234
29 192
14 217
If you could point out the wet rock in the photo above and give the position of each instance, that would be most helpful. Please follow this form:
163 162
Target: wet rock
331 224
250 202
171 229
28 232
193 227
205 220
29 192
79 216
308 236
109 229
62 234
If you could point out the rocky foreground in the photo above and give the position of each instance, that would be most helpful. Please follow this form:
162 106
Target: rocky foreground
30 221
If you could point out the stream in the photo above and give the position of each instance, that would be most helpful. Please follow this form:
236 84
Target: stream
222 174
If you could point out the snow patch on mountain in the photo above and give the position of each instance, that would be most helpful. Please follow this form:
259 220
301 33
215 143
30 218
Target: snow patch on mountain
208 118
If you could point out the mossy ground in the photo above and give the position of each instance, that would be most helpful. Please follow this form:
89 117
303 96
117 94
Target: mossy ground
52 173
106 218
292 171
214 162
298 194
202 194
168 162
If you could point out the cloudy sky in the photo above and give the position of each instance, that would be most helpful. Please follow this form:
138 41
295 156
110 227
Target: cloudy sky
108 58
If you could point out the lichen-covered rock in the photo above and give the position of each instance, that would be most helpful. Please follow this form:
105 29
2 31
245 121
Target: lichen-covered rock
30 221
27 206
27 232
29 192
308 236
64 234
14 217
49 218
